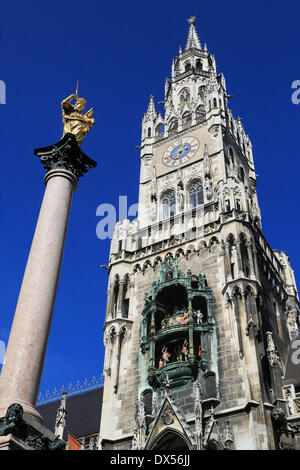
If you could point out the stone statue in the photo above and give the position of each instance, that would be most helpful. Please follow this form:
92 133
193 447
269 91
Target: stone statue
180 197
75 122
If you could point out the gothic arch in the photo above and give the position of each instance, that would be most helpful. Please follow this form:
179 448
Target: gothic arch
137 268
146 265
195 192
230 239
202 245
213 241
179 253
170 439
213 445
169 254
168 204
158 260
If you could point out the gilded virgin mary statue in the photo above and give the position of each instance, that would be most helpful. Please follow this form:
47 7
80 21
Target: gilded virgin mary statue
75 122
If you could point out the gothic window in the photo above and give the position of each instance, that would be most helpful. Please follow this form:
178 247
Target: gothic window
187 67
196 194
227 205
185 97
173 125
215 103
149 132
201 92
169 204
198 65
238 204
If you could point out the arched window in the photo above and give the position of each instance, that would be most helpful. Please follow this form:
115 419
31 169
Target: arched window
215 103
168 204
187 67
149 131
198 65
196 194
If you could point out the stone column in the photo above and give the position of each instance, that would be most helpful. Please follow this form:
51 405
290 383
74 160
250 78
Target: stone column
26 350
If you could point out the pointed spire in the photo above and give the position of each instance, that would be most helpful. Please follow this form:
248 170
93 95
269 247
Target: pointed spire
193 40
151 113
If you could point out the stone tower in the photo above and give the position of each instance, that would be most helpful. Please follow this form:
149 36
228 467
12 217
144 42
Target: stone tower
200 309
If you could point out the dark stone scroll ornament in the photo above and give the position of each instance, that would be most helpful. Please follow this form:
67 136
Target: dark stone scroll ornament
13 423
66 155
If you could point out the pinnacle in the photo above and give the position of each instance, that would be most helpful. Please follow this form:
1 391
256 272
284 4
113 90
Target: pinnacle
151 108
193 40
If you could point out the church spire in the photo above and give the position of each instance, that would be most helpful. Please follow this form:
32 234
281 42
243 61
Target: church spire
193 40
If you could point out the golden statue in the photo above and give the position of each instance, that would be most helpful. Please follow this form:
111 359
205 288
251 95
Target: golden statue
75 122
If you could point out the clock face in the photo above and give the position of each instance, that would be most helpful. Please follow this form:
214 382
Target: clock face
180 151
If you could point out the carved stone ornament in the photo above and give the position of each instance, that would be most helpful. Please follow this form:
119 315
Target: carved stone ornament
65 155
278 416
167 417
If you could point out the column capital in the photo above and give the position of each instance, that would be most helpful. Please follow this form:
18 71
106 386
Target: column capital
65 155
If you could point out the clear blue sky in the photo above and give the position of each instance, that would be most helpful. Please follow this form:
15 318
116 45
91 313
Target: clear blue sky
121 52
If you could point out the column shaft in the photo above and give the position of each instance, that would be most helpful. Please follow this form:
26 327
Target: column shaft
21 373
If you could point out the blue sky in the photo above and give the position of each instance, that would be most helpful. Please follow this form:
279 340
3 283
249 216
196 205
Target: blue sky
121 52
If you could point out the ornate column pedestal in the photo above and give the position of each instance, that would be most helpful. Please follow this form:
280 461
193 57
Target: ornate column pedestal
21 374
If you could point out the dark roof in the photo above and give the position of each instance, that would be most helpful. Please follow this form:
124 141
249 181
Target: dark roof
83 414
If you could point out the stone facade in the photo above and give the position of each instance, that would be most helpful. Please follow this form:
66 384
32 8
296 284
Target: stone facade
196 246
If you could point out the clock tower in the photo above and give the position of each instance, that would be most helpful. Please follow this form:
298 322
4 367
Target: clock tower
200 309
